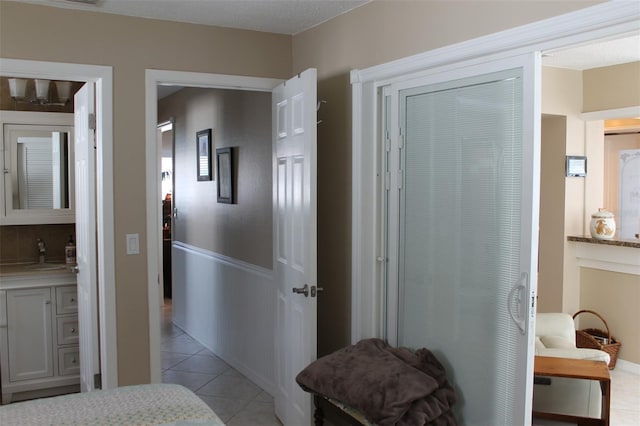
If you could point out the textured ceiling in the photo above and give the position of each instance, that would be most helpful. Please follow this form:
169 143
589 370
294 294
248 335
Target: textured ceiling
274 16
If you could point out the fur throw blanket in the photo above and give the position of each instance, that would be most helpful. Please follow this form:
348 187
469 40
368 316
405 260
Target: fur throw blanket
390 386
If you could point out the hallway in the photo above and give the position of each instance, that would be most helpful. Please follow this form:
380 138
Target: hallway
234 398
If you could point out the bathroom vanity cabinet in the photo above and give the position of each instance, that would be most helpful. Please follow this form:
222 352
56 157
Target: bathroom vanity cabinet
39 353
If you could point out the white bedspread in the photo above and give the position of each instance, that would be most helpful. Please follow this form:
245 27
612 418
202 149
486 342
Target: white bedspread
163 404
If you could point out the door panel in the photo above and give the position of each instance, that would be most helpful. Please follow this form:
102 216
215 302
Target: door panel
467 202
295 240
86 237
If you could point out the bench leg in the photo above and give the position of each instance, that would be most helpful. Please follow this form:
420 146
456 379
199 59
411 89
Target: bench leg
318 414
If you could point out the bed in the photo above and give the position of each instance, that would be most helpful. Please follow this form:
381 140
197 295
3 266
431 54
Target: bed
157 404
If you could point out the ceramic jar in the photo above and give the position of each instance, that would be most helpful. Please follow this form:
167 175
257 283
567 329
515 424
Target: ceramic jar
603 225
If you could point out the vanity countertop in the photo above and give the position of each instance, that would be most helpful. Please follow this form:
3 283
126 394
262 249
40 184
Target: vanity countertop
21 275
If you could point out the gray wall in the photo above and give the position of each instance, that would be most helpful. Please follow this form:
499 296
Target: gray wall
241 120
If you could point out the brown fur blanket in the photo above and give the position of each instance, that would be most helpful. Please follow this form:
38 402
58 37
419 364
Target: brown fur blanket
390 386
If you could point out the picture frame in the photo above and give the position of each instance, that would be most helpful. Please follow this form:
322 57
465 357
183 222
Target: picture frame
576 166
203 155
224 175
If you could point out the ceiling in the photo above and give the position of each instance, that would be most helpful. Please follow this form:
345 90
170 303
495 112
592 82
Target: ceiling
274 16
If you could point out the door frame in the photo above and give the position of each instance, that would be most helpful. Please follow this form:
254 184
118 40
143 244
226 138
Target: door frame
590 24
154 78
102 76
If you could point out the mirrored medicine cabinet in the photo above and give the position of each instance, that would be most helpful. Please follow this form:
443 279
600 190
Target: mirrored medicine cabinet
37 158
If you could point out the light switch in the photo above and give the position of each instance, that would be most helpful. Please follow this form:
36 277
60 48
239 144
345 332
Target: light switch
133 244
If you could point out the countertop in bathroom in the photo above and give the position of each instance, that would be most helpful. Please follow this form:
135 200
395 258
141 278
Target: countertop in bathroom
22 275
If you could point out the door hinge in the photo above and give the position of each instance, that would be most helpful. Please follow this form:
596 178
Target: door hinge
92 121
400 179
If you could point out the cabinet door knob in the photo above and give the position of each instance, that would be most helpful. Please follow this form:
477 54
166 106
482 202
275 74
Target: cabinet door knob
72 300
47 302
73 361
73 330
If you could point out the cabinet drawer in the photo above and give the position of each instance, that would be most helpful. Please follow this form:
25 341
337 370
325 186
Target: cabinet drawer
67 330
69 361
66 300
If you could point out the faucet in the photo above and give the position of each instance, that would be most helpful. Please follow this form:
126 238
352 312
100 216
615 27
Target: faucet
41 249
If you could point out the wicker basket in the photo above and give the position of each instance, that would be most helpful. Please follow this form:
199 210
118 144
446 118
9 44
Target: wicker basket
594 338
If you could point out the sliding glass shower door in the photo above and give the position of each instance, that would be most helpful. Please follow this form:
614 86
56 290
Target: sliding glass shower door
466 240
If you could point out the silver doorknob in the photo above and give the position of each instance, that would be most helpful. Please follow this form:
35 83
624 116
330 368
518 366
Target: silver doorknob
74 269
302 290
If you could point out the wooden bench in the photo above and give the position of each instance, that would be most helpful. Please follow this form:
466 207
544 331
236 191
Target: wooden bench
346 413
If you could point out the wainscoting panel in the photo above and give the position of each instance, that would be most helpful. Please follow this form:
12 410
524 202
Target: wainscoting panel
229 307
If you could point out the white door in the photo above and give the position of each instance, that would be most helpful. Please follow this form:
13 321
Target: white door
84 149
295 235
466 200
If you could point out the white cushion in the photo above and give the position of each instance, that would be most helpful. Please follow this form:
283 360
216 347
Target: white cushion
575 353
557 342
556 324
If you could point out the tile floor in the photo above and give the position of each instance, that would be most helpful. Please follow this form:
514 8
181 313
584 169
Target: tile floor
625 398
235 399
239 402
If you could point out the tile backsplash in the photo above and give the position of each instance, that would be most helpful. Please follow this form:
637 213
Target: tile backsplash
19 243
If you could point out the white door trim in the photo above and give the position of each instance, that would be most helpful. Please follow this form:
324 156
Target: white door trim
102 76
600 21
153 78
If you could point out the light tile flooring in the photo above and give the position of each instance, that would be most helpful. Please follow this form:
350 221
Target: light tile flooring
625 398
234 398
239 402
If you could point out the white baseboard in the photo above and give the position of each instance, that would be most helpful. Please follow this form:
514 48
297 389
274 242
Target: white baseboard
627 366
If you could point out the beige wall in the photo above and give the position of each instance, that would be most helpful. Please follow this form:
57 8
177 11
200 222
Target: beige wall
562 95
612 87
386 30
613 295
376 33
552 237
130 45
241 120
616 297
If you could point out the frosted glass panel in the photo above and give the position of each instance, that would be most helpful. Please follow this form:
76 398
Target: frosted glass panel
460 235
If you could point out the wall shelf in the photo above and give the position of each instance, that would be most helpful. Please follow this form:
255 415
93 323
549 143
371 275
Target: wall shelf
608 255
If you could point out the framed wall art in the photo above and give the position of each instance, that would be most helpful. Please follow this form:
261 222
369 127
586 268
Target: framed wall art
224 170
203 146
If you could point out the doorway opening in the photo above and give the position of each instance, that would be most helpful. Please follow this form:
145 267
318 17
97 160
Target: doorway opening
103 265
165 151
185 137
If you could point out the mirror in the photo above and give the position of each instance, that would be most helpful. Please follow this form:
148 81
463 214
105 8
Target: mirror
38 164
40 176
